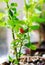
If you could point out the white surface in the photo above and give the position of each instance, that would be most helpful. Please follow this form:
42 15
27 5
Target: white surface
3 59
43 55
34 36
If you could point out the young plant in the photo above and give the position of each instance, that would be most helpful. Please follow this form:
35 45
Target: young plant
21 28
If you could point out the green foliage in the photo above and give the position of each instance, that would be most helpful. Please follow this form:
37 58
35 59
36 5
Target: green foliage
33 47
1 15
14 4
15 43
21 28
28 45
16 62
38 20
10 59
44 1
34 27
2 24
6 1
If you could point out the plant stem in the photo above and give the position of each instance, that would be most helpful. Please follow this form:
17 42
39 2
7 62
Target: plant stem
12 33
29 37
14 39
20 49
15 48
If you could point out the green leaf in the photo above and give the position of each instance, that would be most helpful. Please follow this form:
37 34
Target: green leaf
44 1
27 45
14 4
10 23
35 27
14 9
41 2
16 61
10 13
32 47
16 28
15 43
10 59
39 7
6 1
1 15
19 35
38 19
22 22
2 24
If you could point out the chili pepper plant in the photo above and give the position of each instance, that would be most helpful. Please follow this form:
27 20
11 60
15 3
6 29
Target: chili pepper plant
21 29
